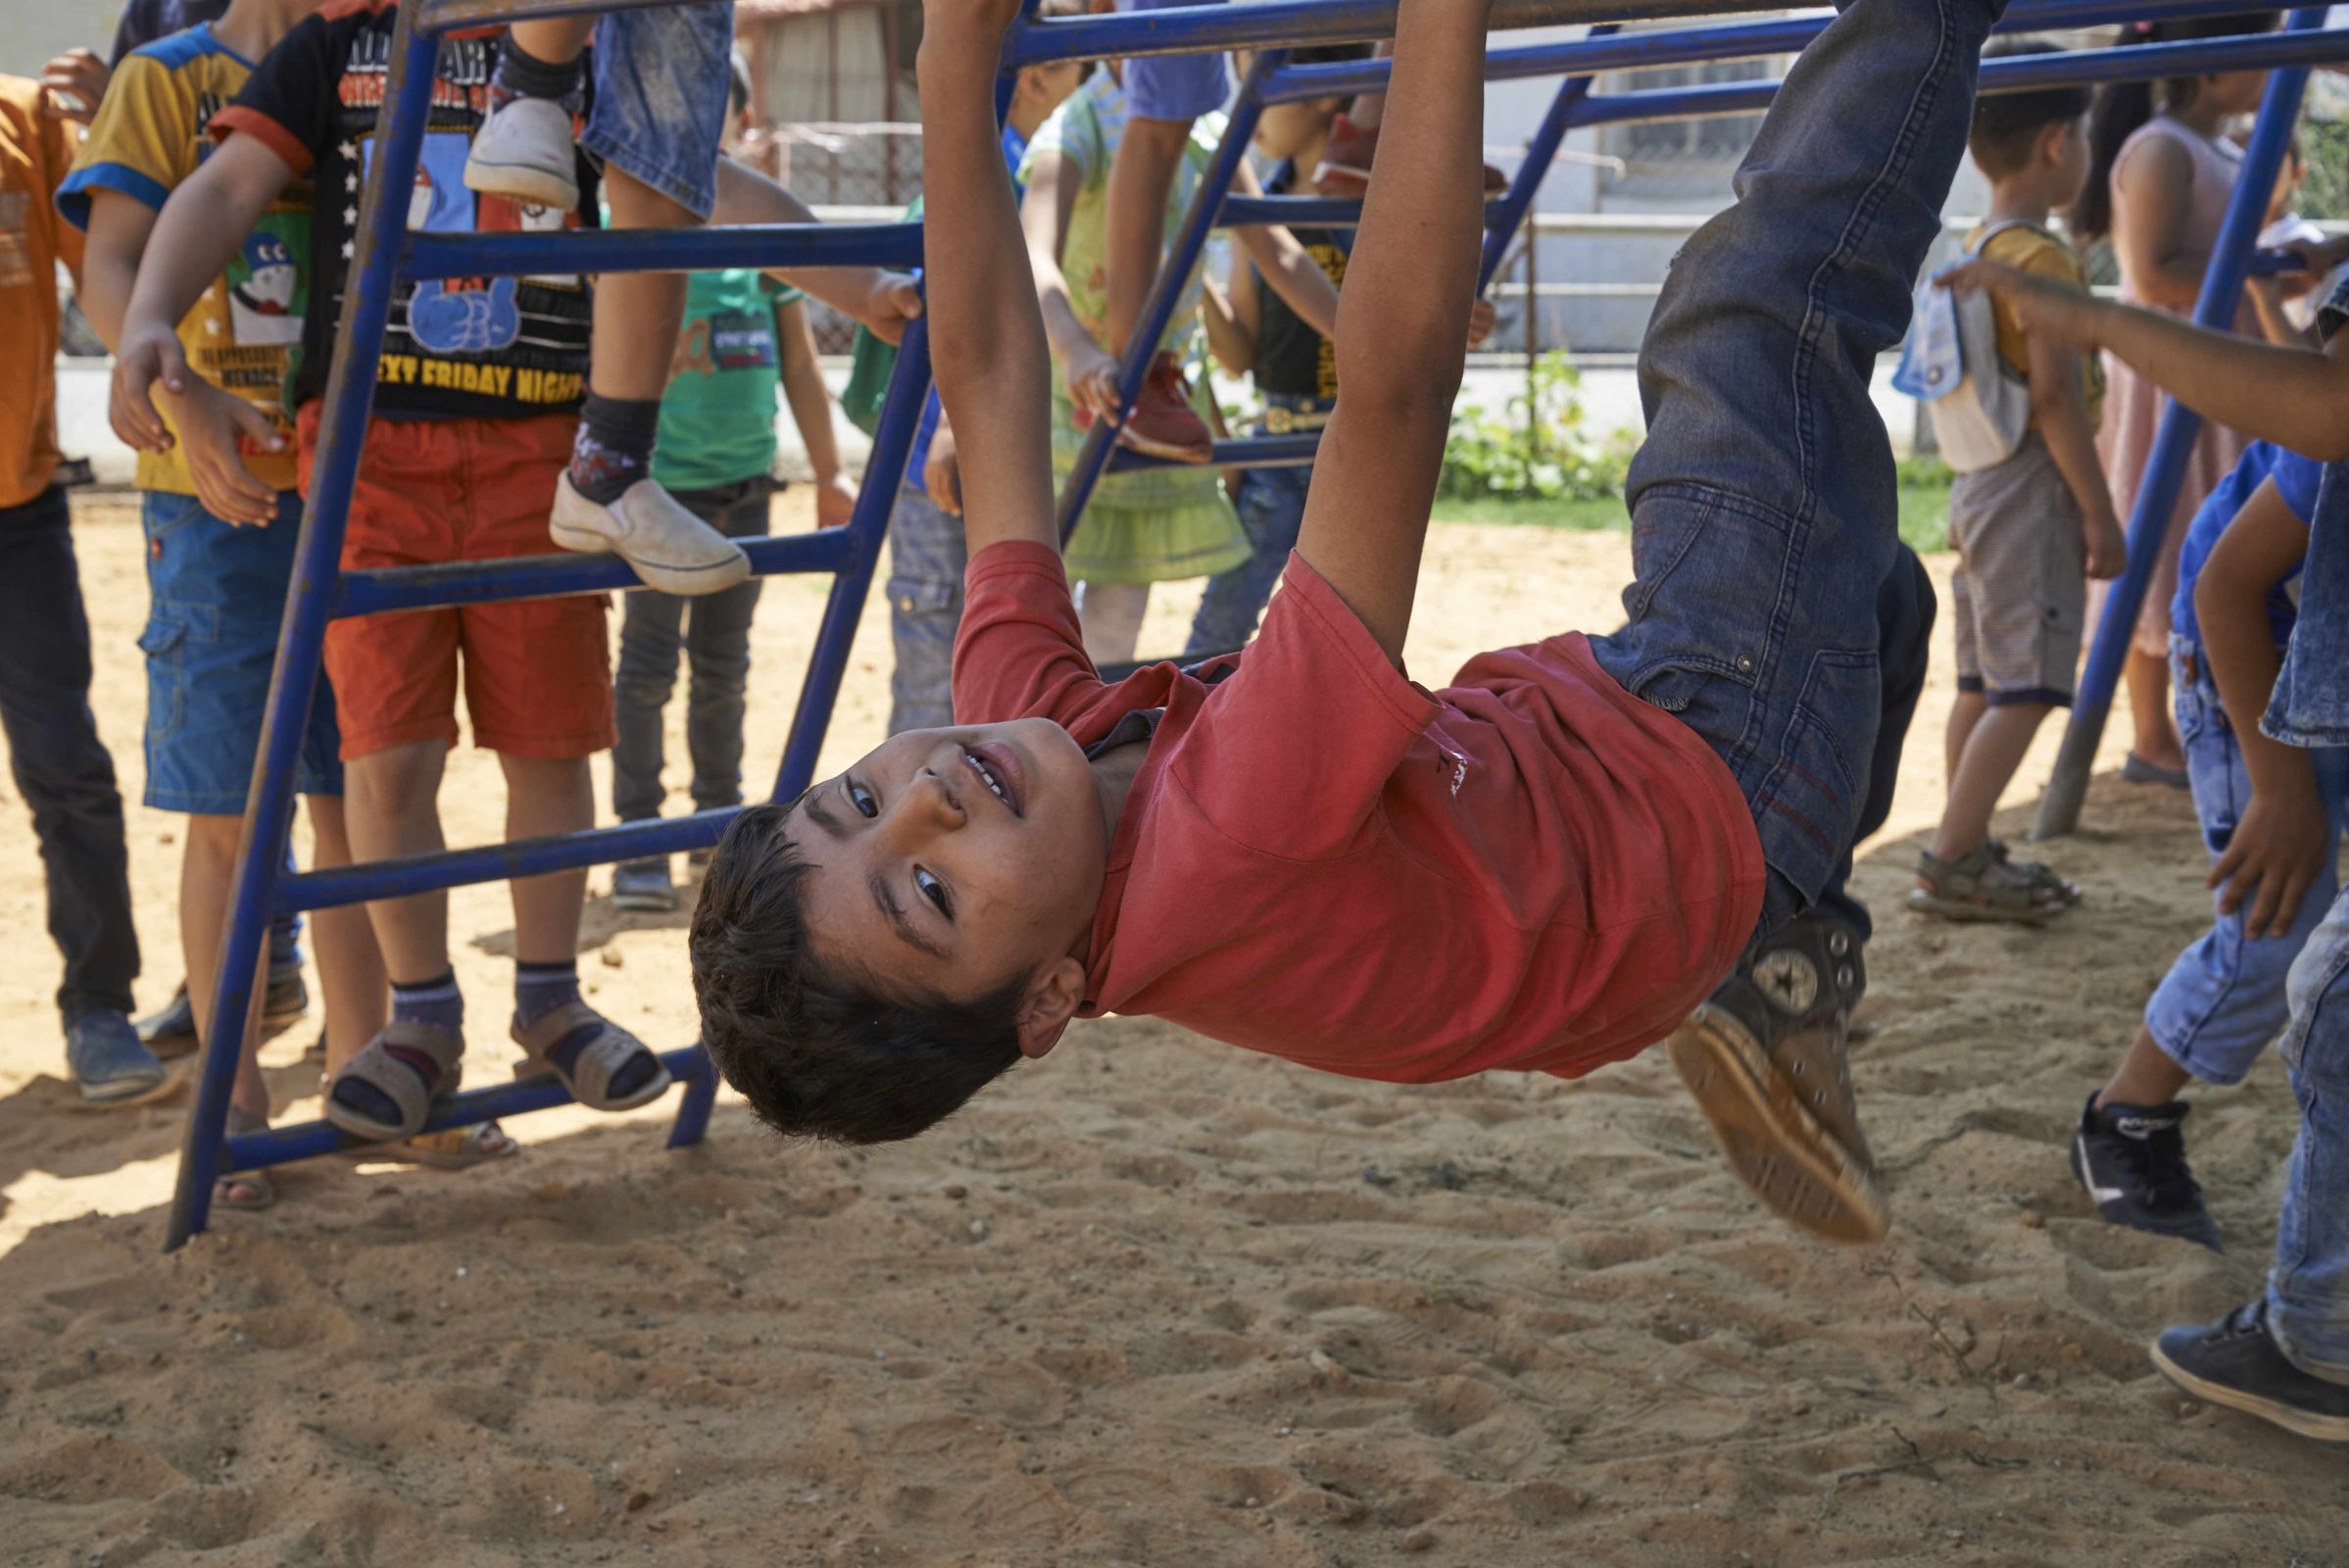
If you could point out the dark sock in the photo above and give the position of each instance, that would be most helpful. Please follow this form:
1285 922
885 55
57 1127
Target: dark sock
520 74
538 990
614 448
436 1003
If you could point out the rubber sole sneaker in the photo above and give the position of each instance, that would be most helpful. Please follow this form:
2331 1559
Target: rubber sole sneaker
525 153
643 886
668 547
1784 1154
2234 1362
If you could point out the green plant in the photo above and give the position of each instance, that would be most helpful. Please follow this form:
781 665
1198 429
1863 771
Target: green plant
1537 449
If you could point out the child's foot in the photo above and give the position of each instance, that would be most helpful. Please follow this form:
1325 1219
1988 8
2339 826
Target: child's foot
1347 155
2236 1362
1766 1059
170 1031
386 1093
1982 884
2132 1162
1163 423
247 1189
643 885
2136 769
670 547
107 1063
602 1064
524 152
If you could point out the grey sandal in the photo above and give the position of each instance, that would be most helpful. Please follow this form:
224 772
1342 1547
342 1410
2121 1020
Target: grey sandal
598 1062
1982 884
392 1065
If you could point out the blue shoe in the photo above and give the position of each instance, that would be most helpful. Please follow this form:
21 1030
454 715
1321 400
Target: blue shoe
2132 1162
171 1029
643 885
105 1057
2236 1362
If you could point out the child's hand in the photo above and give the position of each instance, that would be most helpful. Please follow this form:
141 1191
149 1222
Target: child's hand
2273 855
147 355
893 301
2108 548
942 473
1092 377
1482 318
211 423
2068 316
72 85
2321 256
835 502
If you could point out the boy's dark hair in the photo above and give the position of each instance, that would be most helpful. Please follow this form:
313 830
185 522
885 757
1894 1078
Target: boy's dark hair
2006 125
2123 106
819 1053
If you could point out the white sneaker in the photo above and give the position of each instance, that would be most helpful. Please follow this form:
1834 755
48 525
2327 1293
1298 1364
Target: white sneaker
670 547
524 152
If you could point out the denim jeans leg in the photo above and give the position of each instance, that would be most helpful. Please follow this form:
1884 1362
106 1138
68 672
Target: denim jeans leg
926 557
640 690
2224 997
1904 616
1763 503
60 766
2308 1285
1271 503
718 658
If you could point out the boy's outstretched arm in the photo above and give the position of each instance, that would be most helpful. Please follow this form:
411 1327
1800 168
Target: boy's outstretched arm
1402 321
987 348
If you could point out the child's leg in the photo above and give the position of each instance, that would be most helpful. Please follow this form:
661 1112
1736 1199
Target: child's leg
392 807
718 652
206 874
1766 462
1110 613
351 972
651 637
1905 613
546 795
1993 752
927 552
1271 503
2307 1287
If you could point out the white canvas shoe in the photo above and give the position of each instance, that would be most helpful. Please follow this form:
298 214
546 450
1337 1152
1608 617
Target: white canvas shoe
524 152
670 547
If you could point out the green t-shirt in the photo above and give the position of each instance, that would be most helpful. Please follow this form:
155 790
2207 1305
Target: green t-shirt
717 418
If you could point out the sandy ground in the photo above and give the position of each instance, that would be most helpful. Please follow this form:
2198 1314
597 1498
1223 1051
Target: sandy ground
1157 1302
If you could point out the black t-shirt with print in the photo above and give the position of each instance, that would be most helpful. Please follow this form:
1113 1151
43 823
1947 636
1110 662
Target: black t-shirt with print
484 347
1292 358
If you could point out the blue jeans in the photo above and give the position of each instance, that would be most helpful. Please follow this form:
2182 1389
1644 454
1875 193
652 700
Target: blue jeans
1271 503
660 110
215 598
60 766
1173 87
2223 999
1766 565
2308 1287
926 557
714 631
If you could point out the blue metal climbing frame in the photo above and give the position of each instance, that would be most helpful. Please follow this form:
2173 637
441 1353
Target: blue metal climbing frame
388 255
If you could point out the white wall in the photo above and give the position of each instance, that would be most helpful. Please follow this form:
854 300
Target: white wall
33 31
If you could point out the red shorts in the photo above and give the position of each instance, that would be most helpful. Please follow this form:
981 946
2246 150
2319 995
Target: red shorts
537 672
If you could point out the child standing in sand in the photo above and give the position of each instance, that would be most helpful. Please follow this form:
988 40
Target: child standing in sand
1298 849
2030 532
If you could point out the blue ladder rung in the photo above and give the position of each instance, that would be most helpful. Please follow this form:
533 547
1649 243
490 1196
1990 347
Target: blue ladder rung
767 246
1241 451
552 576
282 1146
406 875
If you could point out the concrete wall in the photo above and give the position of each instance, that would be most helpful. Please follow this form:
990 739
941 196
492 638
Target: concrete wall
33 31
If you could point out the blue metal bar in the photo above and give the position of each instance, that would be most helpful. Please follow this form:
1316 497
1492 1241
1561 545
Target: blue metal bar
270 801
1174 273
661 250
1502 218
407 875
2173 445
282 1146
1639 51
2294 46
552 576
1243 452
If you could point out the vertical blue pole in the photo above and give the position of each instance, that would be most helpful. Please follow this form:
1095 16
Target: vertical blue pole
2166 466
301 640
1502 218
1158 309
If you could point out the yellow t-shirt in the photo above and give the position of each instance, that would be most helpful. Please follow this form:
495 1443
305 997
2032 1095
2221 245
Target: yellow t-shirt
244 332
2030 249
33 155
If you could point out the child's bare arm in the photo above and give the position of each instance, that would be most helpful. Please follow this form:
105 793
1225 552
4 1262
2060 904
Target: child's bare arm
2063 418
1229 339
1402 321
1043 218
2295 396
1289 268
2275 850
811 404
882 302
987 346
115 240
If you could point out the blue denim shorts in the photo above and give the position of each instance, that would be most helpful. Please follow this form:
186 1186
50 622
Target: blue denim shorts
1174 86
660 110
217 592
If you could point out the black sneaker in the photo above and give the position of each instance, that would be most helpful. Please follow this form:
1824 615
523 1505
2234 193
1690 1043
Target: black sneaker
170 1031
288 995
2133 1160
2236 1362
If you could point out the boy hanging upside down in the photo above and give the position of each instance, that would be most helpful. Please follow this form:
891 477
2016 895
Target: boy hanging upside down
1549 865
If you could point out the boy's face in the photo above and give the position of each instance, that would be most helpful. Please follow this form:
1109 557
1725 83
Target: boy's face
952 862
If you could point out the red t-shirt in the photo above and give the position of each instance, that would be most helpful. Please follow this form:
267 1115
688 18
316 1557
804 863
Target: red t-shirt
1322 860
